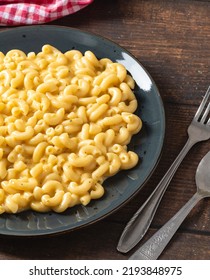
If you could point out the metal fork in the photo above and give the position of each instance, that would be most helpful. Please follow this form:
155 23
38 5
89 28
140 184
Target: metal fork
198 130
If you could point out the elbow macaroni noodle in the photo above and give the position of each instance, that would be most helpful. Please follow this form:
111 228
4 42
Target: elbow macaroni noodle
65 122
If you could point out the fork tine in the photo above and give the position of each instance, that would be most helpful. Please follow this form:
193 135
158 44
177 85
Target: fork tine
202 105
205 113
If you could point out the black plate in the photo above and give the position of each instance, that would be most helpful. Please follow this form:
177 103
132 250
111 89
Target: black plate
147 144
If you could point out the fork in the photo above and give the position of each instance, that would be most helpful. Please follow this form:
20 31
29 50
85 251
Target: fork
198 130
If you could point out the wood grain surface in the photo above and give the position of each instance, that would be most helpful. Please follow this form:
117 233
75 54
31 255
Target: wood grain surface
172 40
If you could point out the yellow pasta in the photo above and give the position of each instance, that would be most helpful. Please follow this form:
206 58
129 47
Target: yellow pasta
65 122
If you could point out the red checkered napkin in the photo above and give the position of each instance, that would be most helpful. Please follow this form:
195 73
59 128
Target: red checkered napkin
25 12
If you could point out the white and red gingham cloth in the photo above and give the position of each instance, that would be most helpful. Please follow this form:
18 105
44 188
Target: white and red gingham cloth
26 12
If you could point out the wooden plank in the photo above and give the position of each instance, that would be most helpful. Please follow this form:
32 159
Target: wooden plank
86 244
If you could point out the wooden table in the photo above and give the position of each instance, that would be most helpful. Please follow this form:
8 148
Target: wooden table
172 40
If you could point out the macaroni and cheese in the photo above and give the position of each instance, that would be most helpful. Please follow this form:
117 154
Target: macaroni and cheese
65 122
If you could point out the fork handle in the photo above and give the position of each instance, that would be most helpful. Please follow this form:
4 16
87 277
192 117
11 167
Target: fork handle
141 220
154 246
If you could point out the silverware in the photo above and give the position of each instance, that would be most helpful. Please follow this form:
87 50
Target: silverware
152 249
198 130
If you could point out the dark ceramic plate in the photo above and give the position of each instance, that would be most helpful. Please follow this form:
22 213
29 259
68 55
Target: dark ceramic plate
147 144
